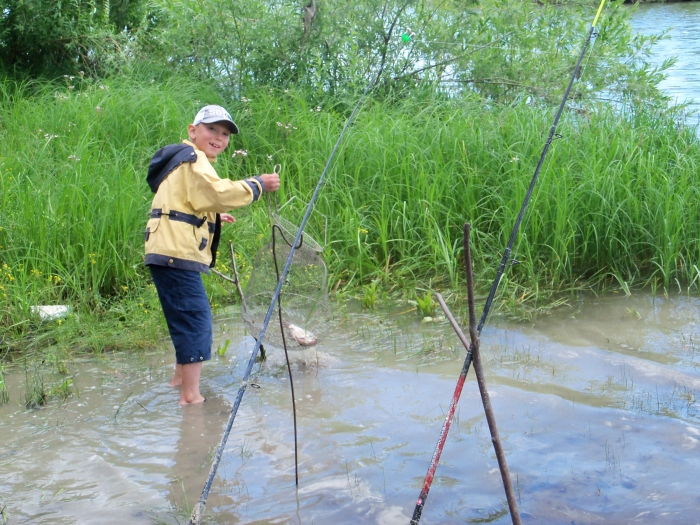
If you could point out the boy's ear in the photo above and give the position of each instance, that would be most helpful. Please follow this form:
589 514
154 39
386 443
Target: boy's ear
192 131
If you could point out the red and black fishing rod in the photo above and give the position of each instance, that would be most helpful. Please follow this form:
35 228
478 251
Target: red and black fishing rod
420 504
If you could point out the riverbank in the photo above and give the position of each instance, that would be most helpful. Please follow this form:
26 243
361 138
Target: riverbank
614 206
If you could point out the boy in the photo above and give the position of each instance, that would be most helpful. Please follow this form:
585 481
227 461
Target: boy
183 233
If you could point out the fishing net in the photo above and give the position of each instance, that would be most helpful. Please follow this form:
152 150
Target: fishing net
304 296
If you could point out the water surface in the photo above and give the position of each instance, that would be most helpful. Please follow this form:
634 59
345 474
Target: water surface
596 404
682 22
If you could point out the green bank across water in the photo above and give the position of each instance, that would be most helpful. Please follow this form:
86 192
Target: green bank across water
617 202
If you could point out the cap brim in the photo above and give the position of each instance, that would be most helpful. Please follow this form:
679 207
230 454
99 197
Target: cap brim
230 125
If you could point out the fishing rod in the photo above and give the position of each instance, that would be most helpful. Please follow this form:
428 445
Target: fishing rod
420 503
198 510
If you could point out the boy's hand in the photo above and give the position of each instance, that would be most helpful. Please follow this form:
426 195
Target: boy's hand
225 217
271 181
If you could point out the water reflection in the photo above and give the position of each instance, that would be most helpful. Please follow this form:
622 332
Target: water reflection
596 405
201 427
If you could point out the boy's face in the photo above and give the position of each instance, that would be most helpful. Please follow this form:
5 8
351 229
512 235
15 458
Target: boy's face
212 138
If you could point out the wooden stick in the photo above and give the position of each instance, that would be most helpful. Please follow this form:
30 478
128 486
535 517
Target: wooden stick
217 272
480 377
238 280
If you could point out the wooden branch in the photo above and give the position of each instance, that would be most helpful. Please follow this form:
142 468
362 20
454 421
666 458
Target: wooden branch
217 272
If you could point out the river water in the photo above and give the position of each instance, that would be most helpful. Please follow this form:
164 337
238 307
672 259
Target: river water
596 404
682 21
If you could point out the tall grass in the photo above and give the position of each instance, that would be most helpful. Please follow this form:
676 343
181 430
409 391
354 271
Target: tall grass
617 199
72 193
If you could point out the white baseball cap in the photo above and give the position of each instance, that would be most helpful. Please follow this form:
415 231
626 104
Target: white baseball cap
212 113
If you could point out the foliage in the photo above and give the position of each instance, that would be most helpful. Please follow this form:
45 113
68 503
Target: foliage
52 37
4 396
500 49
369 295
222 348
451 134
36 393
407 177
425 304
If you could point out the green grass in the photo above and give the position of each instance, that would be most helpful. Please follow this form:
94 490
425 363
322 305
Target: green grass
4 395
616 203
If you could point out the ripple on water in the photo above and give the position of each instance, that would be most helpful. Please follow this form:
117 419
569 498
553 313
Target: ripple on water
595 403
682 21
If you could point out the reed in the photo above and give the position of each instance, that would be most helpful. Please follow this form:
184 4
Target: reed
616 204
36 394
4 395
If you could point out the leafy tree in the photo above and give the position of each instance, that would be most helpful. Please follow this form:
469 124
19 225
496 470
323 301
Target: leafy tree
499 49
51 37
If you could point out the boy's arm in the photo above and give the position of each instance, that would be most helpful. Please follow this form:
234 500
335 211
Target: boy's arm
207 192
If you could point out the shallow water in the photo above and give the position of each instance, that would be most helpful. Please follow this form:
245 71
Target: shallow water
595 403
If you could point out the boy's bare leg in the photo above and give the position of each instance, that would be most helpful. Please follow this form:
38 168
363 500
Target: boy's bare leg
177 377
190 384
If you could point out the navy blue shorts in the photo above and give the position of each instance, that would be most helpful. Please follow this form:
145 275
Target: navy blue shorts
187 311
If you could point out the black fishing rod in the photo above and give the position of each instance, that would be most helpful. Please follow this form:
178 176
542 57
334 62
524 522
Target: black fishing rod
198 510
501 268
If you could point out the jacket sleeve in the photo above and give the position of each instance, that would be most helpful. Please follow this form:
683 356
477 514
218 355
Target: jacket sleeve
207 192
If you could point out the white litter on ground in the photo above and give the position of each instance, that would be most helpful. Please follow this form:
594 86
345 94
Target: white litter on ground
51 312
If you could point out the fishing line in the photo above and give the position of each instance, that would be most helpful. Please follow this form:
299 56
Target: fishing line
478 47
198 510
487 306
408 34
276 228
577 90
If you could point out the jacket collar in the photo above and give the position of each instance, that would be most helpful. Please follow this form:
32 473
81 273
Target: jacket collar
166 160
211 159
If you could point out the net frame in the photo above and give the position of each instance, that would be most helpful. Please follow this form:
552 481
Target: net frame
305 294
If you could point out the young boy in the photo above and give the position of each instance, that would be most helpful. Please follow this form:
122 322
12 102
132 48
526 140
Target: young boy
183 231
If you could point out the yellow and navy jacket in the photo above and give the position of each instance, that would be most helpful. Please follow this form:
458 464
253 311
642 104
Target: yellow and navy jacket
184 225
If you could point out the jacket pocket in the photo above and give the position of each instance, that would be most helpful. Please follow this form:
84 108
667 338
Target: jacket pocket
151 228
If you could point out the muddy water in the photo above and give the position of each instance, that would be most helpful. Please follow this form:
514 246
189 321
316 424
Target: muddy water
596 405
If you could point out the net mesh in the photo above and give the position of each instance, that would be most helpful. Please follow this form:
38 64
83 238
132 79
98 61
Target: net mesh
304 296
